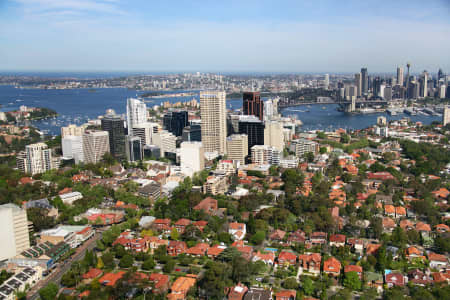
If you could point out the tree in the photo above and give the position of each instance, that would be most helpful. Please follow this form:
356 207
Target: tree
174 234
126 261
168 267
49 292
100 264
258 237
352 281
345 139
290 283
307 286
108 260
148 264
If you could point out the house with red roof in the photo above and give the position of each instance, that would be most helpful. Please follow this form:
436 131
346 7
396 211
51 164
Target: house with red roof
175 248
394 279
372 249
297 236
354 268
423 228
200 225
332 266
160 283
438 261
380 176
268 258
237 230
337 240
277 235
181 225
155 242
162 225
198 250
92 273
441 193
110 279
388 225
208 205
237 292
413 253
310 263
214 251
406 224
317 238
287 258
356 244
286 295
442 228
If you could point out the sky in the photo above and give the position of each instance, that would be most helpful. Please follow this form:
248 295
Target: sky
318 36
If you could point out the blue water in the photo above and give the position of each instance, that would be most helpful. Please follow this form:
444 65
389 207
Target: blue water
327 117
76 106
271 249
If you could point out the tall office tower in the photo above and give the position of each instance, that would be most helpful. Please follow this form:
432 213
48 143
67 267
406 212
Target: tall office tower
388 93
442 90
358 83
95 145
376 86
253 105
114 125
214 124
253 128
36 159
326 81
192 133
400 75
408 66
440 74
192 156
446 116
381 90
364 81
136 113
175 121
351 92
424 87
134 149
14 234
166 141
145 131
273 135
73 130
233 124
264 154
237 147
72 148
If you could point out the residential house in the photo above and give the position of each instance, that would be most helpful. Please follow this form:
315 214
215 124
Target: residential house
268 258
162 225
237 292
175 248
286 295
208 205
310 263
417 277
181 225
437 261
160 283
181 287
332 266
237 230
395 279
337 240
354 268
287 258
258 293
277 235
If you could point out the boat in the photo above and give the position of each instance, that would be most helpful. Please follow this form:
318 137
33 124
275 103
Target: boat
409 111
323 107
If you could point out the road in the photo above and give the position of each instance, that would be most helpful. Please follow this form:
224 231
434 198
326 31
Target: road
55 276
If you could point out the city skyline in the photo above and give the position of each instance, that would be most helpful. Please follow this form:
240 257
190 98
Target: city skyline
289 36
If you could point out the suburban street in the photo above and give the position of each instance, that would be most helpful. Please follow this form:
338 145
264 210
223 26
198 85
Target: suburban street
56 275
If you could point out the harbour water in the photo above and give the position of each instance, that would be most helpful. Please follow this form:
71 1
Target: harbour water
77 106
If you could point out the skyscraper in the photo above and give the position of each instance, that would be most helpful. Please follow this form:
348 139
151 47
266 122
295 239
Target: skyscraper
273 135
114 125
358 83
424 85
72 130
14 234
136 113
192 133
36 159
400 75
364 81
253 105
134 149
446 116
253 128
175 121
214 124
237 147
95 145
326 81
72 148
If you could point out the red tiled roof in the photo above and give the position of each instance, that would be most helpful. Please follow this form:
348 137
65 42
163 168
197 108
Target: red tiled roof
92 273
353 268
110 279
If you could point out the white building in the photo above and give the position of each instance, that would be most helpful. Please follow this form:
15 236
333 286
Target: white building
265 155
136 112
36 159
290 162
145 131
303 146
95 145
14 233
237 147
214 127
72 130
192 156
70 198
273 135
442 91
72 148
166 141
446 116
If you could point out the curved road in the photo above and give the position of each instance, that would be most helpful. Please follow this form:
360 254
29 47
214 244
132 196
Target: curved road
55 276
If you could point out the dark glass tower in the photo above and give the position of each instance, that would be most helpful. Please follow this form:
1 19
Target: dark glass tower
192 133
134 148
114 124
253 105
254 129
175 121
364 81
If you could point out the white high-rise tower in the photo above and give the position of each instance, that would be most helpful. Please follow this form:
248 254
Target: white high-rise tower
214 125
136 113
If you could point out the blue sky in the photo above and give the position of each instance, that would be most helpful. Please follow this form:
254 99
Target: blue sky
261 36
